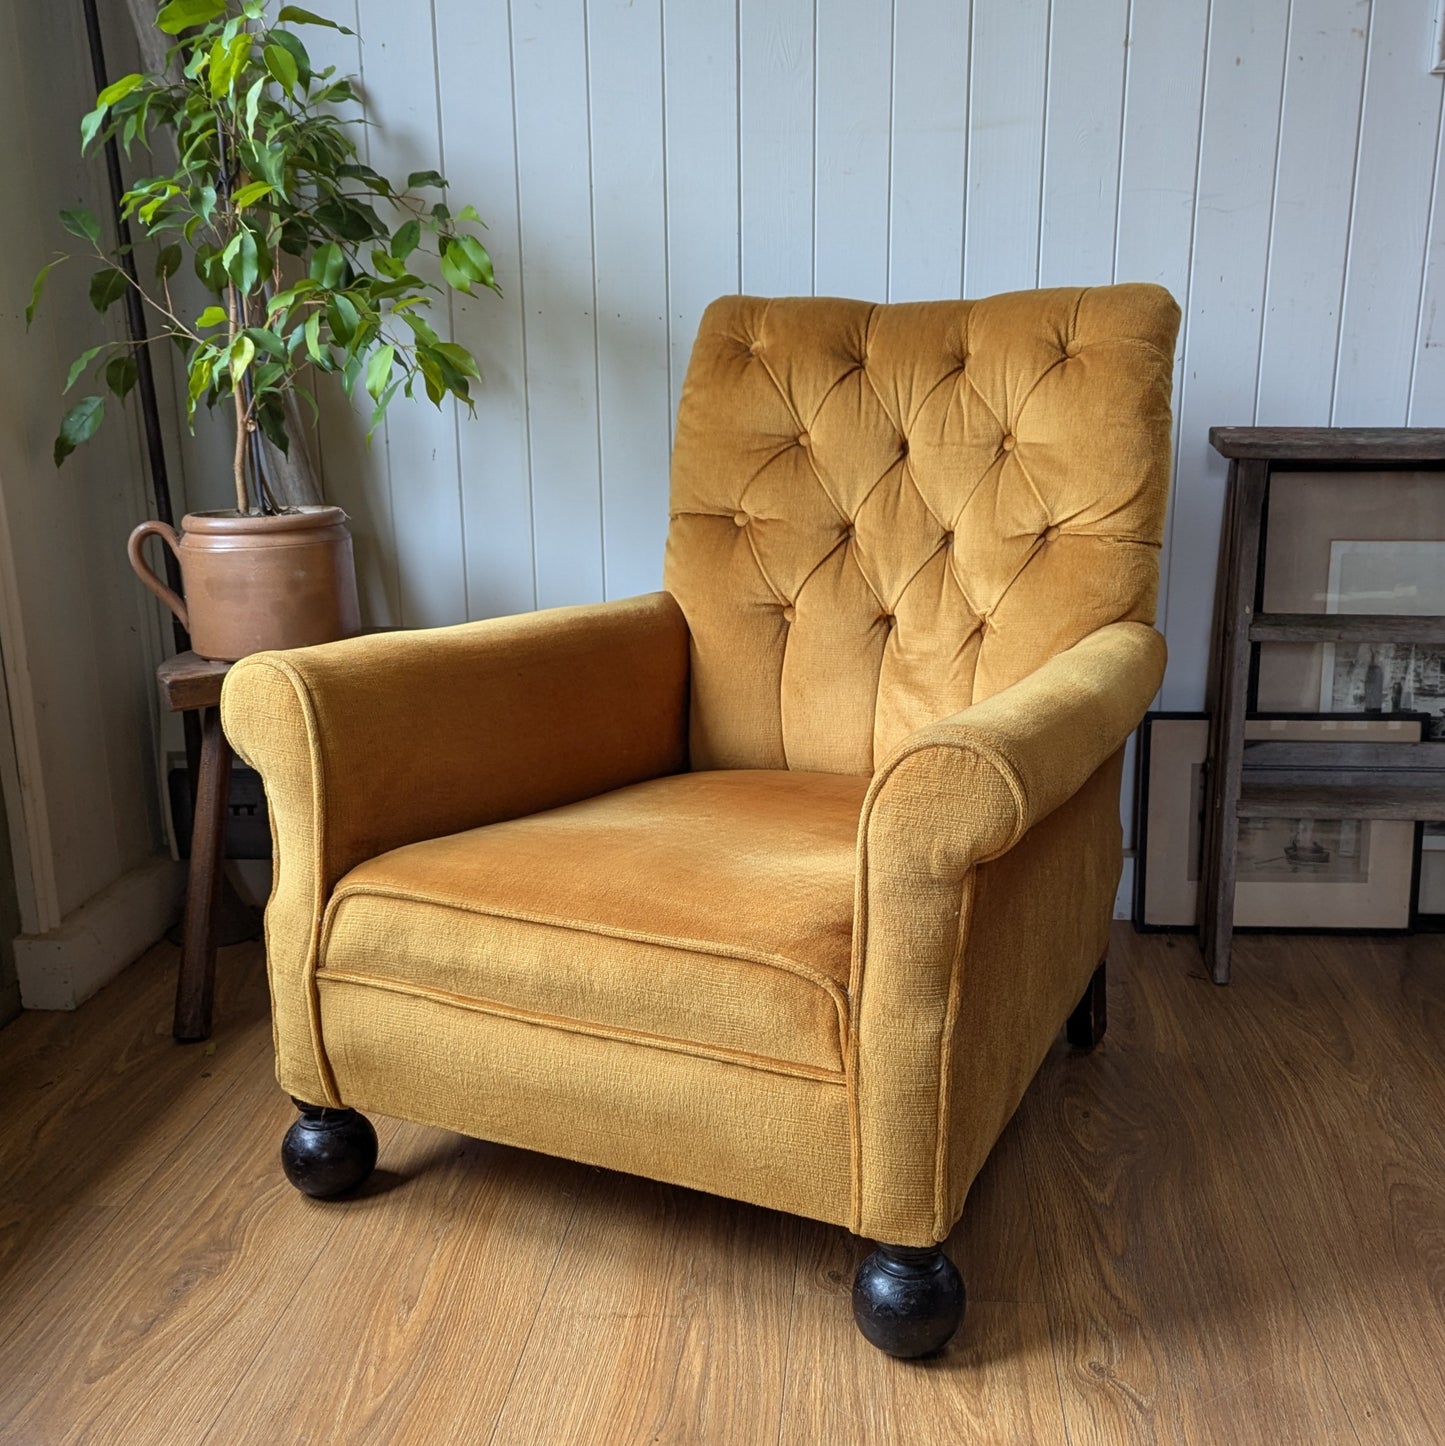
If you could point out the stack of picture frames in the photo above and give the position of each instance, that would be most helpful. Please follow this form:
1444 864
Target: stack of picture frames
1331 545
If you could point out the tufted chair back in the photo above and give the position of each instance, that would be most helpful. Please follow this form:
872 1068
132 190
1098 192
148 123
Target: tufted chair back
881 514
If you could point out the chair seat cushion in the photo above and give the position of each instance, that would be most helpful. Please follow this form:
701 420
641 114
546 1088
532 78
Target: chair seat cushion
706 912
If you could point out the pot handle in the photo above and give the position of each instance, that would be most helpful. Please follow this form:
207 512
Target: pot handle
142 569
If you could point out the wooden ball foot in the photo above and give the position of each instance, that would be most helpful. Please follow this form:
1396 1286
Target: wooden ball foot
328 1151
908 1301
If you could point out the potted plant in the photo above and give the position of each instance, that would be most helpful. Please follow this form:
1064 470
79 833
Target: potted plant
311 262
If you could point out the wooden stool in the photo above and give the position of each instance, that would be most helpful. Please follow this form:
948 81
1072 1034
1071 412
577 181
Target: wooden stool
189 681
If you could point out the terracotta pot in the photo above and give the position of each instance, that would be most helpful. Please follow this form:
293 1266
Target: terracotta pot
258 582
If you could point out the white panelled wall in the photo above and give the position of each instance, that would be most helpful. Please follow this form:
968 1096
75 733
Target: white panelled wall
1275 163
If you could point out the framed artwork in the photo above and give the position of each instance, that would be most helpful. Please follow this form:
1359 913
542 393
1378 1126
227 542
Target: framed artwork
1293 873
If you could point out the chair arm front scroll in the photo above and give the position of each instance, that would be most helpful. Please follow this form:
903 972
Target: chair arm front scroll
379 741
988 856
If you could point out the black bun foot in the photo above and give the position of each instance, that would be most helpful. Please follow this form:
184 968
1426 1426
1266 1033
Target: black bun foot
328 1151
908 1301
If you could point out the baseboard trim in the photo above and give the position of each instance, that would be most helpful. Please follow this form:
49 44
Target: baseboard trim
63 967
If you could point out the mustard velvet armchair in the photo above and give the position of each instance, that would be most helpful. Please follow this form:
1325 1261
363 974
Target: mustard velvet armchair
778 883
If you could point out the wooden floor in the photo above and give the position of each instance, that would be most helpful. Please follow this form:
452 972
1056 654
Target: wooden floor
1226 1225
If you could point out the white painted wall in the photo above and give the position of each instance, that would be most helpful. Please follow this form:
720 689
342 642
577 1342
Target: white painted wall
78 641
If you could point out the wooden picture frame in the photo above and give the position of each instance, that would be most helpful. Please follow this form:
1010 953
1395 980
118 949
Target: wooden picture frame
1350 874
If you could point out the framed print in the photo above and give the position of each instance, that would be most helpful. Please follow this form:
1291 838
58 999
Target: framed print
1293 873
1347 542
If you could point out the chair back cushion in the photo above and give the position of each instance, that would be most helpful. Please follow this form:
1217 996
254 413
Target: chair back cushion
881 514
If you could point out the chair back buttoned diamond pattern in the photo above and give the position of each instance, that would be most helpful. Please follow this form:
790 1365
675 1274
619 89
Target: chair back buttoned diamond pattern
884 513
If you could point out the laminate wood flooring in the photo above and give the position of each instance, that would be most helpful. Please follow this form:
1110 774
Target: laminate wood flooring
1227 1225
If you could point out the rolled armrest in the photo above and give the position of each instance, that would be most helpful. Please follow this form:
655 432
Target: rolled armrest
969 787
988 855
379 741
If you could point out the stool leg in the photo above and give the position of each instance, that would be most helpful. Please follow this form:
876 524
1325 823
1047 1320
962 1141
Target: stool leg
208 838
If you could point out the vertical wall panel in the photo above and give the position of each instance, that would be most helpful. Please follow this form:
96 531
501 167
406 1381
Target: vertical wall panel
479 141
354 475
1007 66
421 443
624 51
700 81
930 126
1427 399
854 122
1221 355
554 174
1319 127
1081 143
1158 168
775 101
1387 239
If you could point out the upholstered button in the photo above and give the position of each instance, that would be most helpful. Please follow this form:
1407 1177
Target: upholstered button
804 440
755 346
788 614
1071 348
888 621
948 539
1050 533
903 446
1008 442
741 518
849 533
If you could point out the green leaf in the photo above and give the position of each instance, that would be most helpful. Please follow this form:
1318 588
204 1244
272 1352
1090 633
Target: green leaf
248 195
78 425
107 286
169 261
293 46
313 339
81 223
406 240
459 357
227 61
341 317
79 365
37 286
120 374
295 15
212 316
458 277
241 355
182 14
242 261
420 328
469 213
479 262
282 65
253 103
118 89
90 124
266 341
378 369
204 203
425 178
328 264
202 369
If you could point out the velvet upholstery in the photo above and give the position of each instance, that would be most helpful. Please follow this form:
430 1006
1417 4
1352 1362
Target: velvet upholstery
780 882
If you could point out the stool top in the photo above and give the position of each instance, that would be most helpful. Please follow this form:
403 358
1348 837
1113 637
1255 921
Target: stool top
190 681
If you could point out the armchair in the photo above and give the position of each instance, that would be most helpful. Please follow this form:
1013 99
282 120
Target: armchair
778 883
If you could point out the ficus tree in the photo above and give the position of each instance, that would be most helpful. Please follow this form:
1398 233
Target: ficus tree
311 259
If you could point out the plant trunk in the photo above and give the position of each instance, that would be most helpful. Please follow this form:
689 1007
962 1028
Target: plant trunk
238 464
